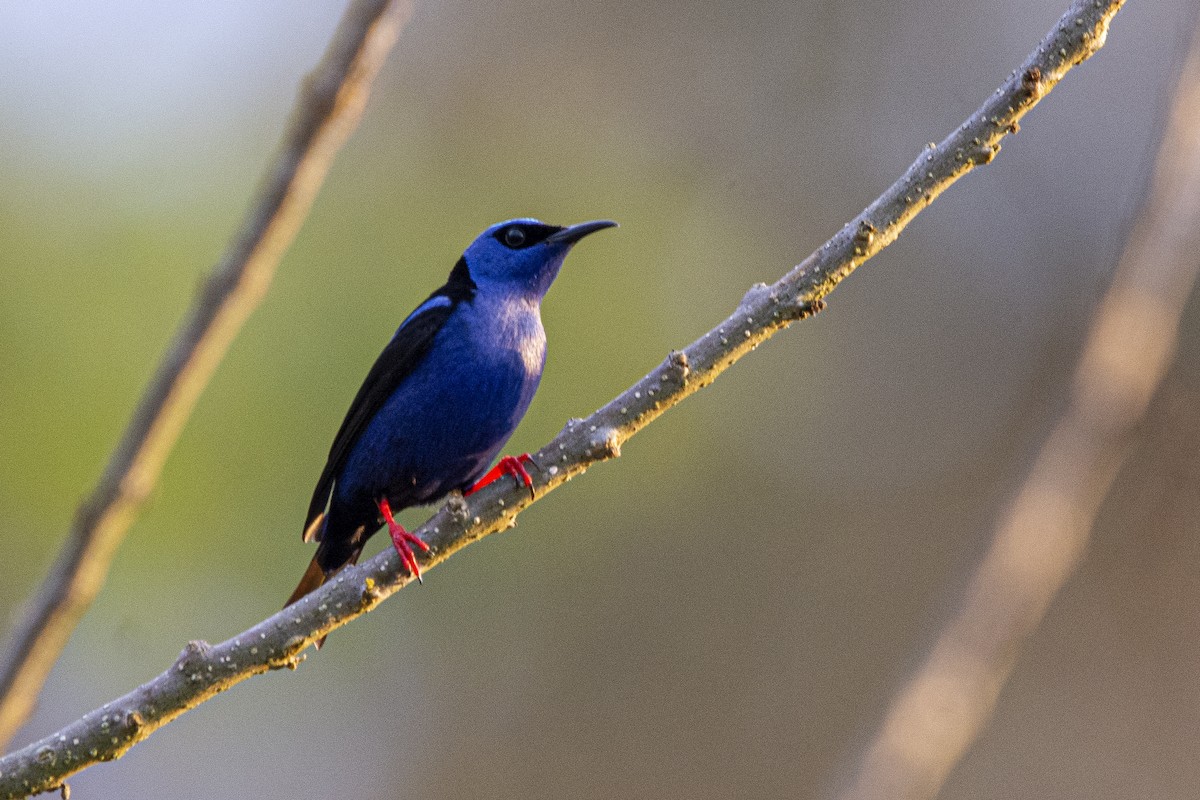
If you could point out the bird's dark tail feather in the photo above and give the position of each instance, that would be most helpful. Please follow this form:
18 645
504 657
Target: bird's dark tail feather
314 576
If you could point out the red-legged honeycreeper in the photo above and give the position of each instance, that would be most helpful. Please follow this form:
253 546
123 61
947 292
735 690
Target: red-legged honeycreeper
443 397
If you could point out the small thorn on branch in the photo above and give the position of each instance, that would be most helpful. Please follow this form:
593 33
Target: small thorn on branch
195 650
678 361
754 296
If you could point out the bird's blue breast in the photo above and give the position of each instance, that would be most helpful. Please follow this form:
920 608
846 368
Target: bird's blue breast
443 426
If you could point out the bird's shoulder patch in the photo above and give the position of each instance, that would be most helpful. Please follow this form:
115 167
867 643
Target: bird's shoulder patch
435 301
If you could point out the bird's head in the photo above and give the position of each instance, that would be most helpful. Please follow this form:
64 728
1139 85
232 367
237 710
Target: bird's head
524 255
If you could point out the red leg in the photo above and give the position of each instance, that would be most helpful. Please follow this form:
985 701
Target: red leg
506 466
401 539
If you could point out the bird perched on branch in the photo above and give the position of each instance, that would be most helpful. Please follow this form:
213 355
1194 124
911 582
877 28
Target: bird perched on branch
442 399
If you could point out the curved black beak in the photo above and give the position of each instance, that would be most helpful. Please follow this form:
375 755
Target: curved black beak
573 233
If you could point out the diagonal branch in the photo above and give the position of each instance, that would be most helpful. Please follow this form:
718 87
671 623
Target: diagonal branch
202 671
327 110
1042 535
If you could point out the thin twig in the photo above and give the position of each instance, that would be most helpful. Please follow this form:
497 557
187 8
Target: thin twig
1042 535
202 670
327 110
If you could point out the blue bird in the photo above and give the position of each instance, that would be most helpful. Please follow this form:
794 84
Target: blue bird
442 399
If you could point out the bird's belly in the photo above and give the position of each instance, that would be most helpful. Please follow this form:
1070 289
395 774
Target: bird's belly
441 429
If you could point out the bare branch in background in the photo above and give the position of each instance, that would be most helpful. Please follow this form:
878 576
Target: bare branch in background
203 671
1042 535
328 109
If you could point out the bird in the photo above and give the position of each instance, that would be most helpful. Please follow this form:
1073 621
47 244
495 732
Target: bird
443 397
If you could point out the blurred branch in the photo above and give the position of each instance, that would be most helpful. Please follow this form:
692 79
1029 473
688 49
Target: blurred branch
1043 534
327 110
202 670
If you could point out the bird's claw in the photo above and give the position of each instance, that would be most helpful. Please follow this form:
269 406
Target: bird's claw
509 465
401 540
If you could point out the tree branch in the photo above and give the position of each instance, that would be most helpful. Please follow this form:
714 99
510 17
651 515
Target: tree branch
1041 537
327 110
203 671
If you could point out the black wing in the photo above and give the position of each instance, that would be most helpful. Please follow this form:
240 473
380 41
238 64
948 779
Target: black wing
397 361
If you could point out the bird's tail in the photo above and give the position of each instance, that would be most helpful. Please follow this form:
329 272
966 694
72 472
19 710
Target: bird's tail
314 576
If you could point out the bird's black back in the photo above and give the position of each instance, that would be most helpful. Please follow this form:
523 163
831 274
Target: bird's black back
397 361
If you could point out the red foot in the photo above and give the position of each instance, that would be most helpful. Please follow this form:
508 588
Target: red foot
401 539
506 466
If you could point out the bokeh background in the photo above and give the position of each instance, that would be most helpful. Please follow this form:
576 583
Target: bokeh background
724 611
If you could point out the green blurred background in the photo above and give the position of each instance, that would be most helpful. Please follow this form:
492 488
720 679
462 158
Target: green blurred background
725 610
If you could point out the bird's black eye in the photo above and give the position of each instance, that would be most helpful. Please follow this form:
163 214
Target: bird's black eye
514 237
